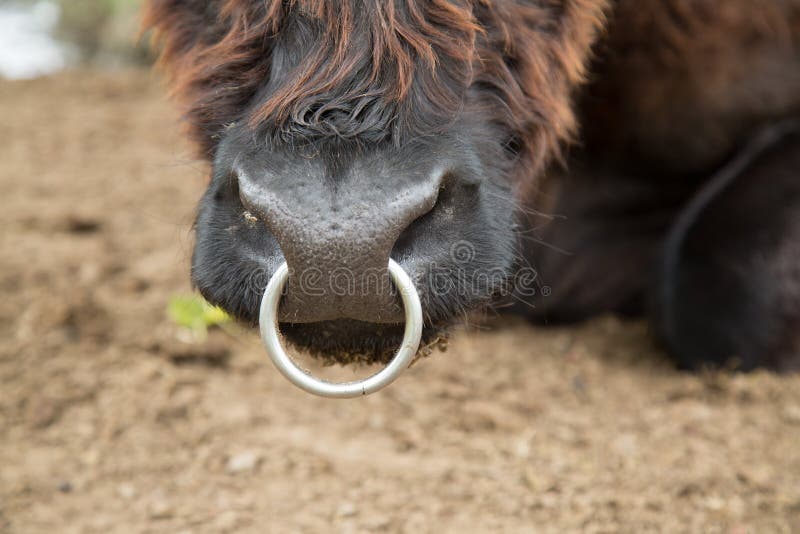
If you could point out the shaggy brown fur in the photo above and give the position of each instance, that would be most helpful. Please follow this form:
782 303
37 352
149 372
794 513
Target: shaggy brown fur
532 53
678 84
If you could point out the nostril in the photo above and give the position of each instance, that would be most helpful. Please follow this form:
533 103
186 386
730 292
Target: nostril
226 188
451 189
246 204
229 193
251 209
251 191
451 183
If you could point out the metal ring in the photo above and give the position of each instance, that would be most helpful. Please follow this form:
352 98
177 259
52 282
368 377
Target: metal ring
268 322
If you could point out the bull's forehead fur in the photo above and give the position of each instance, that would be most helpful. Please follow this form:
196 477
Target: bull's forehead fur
373 68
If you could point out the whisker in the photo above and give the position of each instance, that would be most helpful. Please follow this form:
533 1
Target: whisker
545 244
528 210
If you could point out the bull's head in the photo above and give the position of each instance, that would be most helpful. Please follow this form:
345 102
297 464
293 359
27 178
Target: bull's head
345 133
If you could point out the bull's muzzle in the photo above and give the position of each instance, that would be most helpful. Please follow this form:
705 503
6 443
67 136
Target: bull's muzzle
304 380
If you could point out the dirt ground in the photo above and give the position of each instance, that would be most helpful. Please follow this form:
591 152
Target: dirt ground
109 422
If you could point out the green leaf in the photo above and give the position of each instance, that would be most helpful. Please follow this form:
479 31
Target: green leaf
194 313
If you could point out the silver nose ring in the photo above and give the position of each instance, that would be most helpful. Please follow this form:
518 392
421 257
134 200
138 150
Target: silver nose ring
268 322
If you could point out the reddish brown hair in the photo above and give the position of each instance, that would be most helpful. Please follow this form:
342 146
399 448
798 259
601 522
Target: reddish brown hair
422 56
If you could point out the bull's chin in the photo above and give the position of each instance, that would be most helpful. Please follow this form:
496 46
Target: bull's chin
348 341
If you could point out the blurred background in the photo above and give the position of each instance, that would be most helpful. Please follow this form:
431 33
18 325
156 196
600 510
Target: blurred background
127 405
44 36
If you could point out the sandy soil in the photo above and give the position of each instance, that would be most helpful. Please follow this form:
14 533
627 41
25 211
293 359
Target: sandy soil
110 423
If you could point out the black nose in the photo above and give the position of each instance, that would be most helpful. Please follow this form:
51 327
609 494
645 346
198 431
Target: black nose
336 226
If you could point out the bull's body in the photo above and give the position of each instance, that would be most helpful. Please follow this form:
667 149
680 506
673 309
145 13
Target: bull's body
681 198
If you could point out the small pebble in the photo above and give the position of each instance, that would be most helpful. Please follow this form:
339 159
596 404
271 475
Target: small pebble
791 414
346 509
126 491
243 462
159 509
714 503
